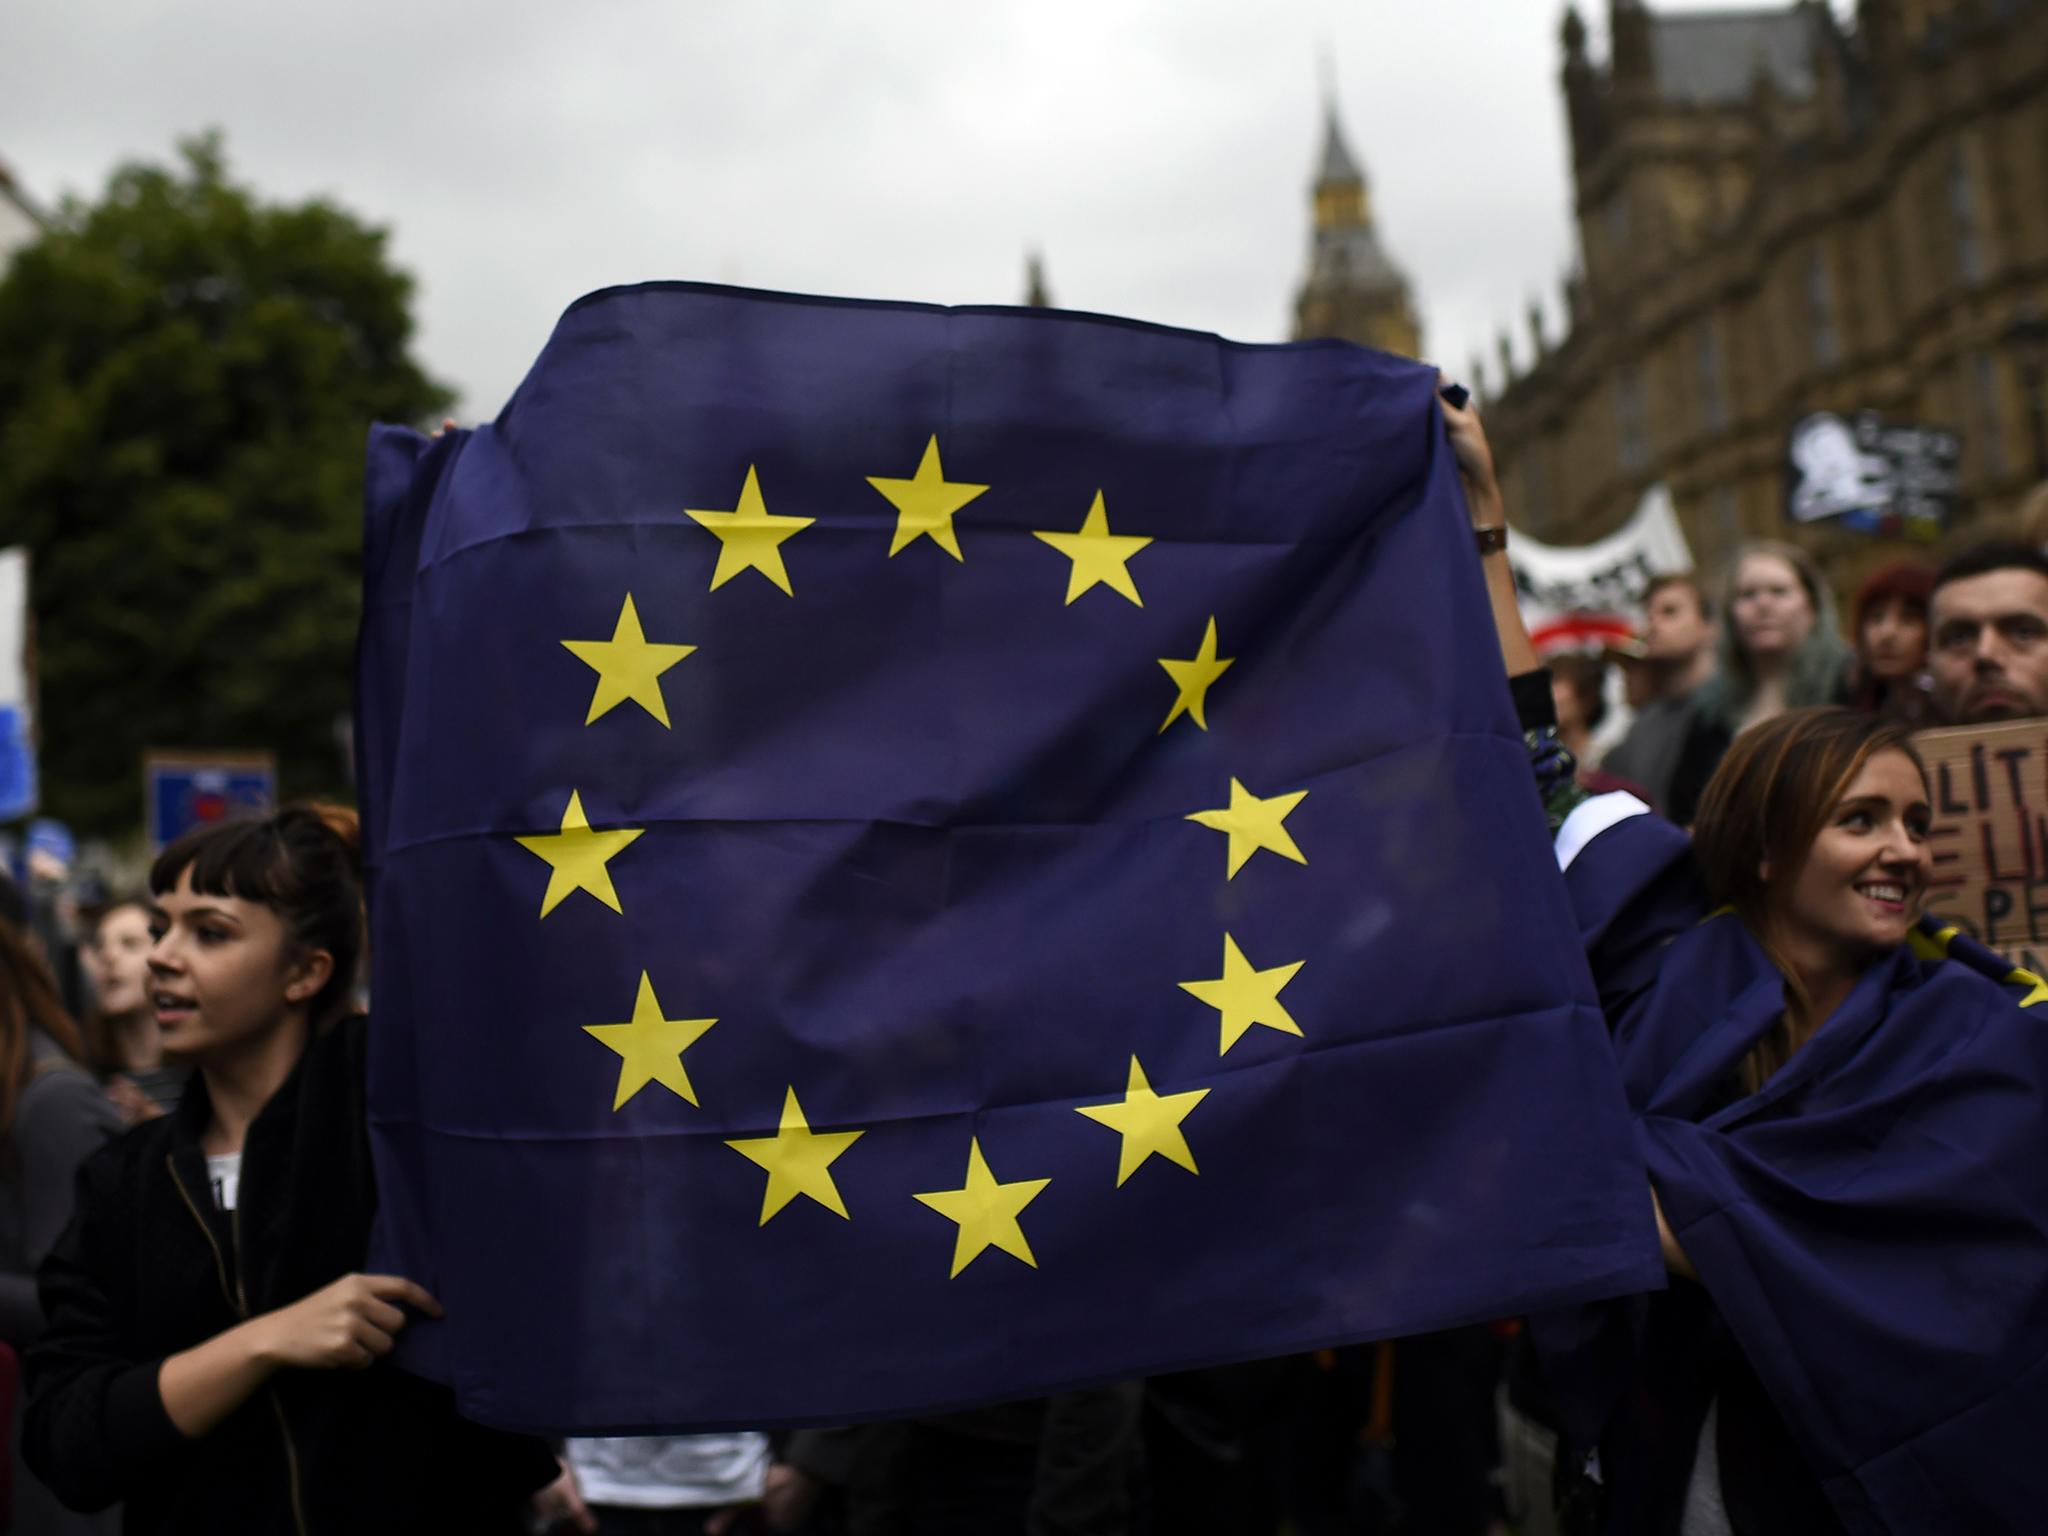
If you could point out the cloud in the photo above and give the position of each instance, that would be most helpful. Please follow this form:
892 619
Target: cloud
523 153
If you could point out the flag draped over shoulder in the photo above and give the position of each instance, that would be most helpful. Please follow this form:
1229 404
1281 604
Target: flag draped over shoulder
1871 1225
926 856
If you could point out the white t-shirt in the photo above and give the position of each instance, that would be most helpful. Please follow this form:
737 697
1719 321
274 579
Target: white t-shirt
670 1471
1705 1514
224 1173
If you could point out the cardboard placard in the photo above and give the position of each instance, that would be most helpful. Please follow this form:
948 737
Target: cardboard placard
1989 787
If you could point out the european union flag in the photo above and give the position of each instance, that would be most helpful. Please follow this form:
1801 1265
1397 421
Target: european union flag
925 856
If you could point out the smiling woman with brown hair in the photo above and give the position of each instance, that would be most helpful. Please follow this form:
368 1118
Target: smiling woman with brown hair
1839 1108
1840 799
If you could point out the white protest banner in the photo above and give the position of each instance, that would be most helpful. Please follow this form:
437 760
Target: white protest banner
1581 596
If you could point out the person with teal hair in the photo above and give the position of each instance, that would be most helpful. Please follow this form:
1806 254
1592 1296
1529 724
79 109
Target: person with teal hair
1780 649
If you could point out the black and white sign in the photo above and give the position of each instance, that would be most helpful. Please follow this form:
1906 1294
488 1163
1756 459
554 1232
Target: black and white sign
1874 477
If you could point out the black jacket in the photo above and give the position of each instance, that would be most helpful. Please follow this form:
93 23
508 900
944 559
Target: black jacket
150 1266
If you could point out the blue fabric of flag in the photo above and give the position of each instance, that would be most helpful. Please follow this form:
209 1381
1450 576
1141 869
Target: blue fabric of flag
917 836
1871 1226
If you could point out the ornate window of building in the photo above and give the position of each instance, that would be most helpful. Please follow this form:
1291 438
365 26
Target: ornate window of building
1536 489
1631 420
1986 429
1727 519
1962 204
1617 220
1713 397
1820 311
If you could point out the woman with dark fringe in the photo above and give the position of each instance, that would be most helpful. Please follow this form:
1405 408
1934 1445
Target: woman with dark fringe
215 1357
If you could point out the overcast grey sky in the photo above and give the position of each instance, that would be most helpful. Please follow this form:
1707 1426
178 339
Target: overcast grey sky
523 153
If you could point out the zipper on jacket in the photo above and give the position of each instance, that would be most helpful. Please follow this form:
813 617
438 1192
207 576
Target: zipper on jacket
291 1450
238 1299
220 1264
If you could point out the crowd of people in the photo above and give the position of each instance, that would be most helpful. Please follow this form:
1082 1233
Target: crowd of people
1965 643
201 1351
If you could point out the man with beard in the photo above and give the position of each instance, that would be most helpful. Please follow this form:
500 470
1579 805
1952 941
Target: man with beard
1988 634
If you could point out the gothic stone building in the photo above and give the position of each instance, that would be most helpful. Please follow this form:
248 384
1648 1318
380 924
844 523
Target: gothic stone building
1779 213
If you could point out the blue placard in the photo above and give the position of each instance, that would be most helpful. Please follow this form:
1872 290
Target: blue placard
188 792
52 839
17 764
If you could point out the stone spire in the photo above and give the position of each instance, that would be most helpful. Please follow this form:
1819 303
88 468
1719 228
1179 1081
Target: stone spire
1036 294
1353 289
1338 168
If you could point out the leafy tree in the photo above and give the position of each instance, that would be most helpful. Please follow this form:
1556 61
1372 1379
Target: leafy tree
186 378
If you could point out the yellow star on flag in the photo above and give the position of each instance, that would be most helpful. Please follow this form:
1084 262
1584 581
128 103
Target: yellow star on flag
1927 946
1099 556
750 537
985 1211
798 1159
925 503
1252 824
1149 1124
577 856
650 1047
1244 996
1193 677
628 666
2037 987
